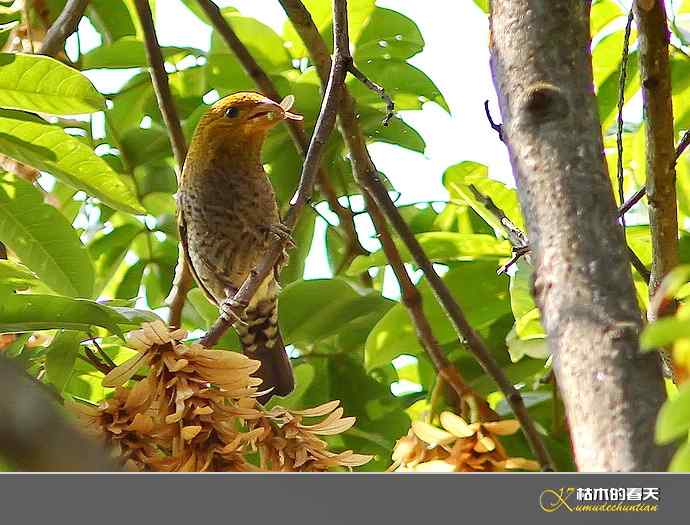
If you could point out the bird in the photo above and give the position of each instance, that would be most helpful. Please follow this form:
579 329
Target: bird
228 217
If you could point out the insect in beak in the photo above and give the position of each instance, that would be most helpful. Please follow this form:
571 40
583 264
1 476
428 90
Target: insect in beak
286 104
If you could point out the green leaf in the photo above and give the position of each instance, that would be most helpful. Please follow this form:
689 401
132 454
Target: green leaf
381 418
9 14
606 63
128 106
680 80
674 417
313 310
142 145
441 247
30 312
43 239
527 316
263 43
388 33
482 4
6 32
603 12
109 250
520 372
33 141
207 310
535 348
401 80
111 18
16 276
681 459
304 376
128 52
42 84
62 354
398 132
129 286
303 236
358 12
664 332
482 295
457 180
134 316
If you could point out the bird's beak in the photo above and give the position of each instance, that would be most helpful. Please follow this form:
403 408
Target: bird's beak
270 110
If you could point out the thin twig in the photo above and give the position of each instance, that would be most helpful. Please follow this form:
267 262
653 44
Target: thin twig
324 126
368 178
621 103
498 128
379 90
159 78
515 235
65 24
183 283
625 207
412 300
295 127
520 243
682 146
104 355
94 361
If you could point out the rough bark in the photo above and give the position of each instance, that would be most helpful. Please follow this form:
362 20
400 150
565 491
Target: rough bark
658 117
542 70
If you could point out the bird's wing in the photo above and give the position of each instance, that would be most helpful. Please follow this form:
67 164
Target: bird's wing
184 243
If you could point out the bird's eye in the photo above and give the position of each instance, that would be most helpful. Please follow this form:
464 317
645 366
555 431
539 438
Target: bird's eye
232 112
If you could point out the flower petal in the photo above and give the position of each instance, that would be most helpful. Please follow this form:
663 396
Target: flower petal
456 425
502 428
431 435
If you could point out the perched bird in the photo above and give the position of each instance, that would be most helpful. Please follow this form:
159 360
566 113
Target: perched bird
227 215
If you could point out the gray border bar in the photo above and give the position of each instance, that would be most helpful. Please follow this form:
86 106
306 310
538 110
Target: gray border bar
331 499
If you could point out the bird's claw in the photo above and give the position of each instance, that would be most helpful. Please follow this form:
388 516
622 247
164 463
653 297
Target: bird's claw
282 232
229 308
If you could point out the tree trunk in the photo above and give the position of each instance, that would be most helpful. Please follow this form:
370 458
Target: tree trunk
542 70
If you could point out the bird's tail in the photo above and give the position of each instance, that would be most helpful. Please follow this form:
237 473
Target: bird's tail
261 340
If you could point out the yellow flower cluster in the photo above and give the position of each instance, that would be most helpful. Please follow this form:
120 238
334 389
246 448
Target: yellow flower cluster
458 447
195 411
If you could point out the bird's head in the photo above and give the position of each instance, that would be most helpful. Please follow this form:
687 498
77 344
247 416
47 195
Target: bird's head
246 114
237 125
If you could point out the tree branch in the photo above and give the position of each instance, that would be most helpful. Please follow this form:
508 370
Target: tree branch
680 148
658 115
621 102
412 300
612 393
295 127
159 78
367 176
35 436
655 71
390 105
324 126
65 24
184 282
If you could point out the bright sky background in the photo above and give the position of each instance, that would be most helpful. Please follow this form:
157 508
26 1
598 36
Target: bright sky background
456 58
